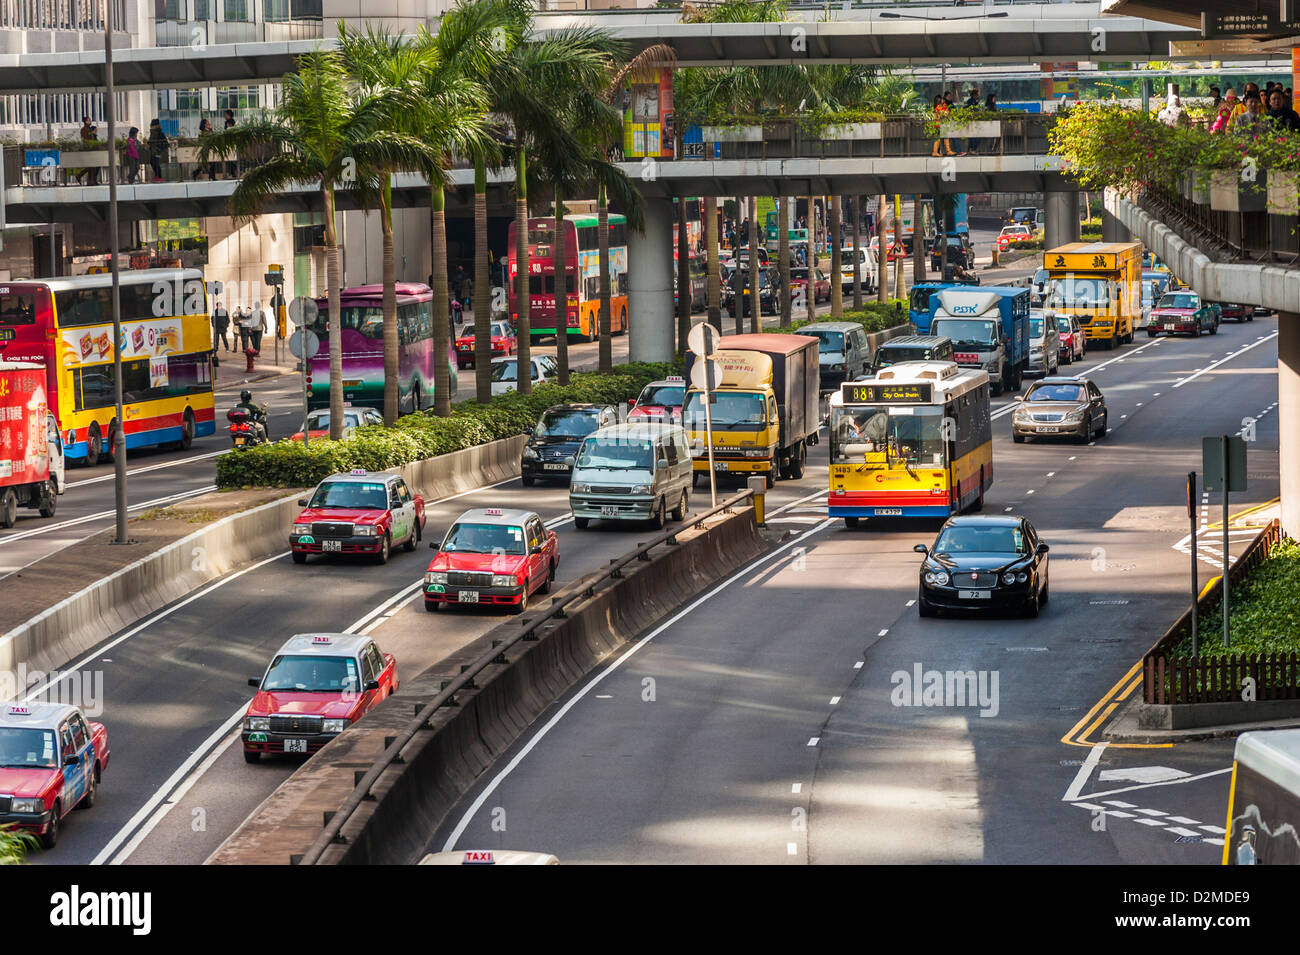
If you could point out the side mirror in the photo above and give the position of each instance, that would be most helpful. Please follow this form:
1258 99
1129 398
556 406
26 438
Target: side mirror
302 502
535 550
1041 549
255 682
372 684
661 465
921 549
433 545
72 760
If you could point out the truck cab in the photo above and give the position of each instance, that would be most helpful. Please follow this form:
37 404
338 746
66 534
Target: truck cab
989 330
1101 283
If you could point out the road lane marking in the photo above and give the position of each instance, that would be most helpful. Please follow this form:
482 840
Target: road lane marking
796 788
1211 367
151 467
87 518
835 701
1081 777
814 740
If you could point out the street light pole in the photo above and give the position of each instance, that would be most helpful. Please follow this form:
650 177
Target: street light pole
119 437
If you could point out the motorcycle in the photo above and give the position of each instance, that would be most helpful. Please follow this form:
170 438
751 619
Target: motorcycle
246 429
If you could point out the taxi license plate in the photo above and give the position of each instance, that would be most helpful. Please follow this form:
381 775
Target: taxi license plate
973 594
295 746
556 467
721 466
1170 328
468 596
889 512
1048 429
331 545
608 510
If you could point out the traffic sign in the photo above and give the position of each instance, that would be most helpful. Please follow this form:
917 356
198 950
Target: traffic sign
1212 458
706 367
304 340
303 311
703 340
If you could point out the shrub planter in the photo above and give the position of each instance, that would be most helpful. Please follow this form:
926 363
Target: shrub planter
980 129
843 131
90 159
1283 192
187 154
732 134
1199 185
1229 194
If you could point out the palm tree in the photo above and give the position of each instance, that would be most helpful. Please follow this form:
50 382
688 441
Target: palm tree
713 290
783 255
837 282
321 133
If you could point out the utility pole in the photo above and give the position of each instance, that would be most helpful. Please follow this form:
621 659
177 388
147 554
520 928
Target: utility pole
119 436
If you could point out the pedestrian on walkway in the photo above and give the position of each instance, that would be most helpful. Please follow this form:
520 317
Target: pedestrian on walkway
941 110
132 154
88 135
205 130
230 164
220 324
257 326
243 324
159 149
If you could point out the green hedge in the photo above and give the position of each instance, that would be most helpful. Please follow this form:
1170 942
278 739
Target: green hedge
1265 609
874 317
425 435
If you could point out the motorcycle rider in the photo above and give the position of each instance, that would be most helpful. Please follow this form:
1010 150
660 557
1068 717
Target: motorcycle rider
256 412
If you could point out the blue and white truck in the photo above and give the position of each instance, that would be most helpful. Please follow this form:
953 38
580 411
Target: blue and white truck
989 328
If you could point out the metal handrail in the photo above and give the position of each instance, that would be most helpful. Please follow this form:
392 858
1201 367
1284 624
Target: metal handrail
496 655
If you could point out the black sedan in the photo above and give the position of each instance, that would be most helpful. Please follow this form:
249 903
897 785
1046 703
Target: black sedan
557 437
984 563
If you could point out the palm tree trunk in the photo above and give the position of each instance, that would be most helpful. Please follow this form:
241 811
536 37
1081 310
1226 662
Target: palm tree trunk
524 377
755 306
392 387
837 273
561 270
810 299
882 253
783 254
482 289
709 211
441 300
602 244
918 241
857 255
335 319
685 296
899 280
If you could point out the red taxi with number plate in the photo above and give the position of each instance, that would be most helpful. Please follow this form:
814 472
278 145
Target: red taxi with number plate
660 399
317 685
504 343
358 513
51 759
492 556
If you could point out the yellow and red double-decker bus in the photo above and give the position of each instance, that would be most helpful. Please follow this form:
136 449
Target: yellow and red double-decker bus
914 441
166 346
582 272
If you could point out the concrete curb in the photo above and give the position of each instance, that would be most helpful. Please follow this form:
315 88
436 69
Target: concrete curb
1127 728
79 622
463 741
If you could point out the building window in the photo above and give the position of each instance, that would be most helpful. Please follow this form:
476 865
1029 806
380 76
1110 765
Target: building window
169 9
201 10
306 9
237 98
275 11
237 11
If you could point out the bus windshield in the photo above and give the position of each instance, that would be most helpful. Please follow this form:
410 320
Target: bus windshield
909 436
967 332
1072 292
732 411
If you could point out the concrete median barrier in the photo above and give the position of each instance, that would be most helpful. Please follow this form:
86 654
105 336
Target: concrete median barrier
460 742
74 625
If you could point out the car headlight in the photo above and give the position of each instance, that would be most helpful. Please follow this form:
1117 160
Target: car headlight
1009 577
436 577
1075 415
333 726
27 805
530 454
579 487
1022 577
301 529
936 578
642 488
365 530
837 367
1020 414
504 580
258 724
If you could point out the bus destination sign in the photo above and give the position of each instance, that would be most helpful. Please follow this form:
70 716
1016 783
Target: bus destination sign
861 393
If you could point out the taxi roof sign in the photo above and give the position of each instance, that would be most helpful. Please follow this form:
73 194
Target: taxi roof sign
321 640
358 471
479 857
675 378
493 511
20 710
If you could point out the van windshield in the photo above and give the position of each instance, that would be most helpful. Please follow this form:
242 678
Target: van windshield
617 454
830 341
967 332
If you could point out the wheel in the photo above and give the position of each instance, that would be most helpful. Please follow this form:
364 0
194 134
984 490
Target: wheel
1017 438
1034 606
770 478
49 499
51 838
660 515
545 588
299 557
924 608
252 756
996 387
1104 427
1043 598
414 539
797 465
187 430
851 523
8 508
679 512
1214 329
94 446
523 600
1150 333
110 449
1196 332
528 480
1087 430
432 606
622 322
92 790
385 548
581 523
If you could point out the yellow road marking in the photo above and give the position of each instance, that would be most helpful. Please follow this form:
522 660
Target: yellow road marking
1116 695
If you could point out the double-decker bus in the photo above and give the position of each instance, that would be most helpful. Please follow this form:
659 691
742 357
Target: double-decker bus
582 271
166 346
361 321
914 441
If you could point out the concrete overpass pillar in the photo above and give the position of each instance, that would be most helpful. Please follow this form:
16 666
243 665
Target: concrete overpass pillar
650 285
1288 409
1112 230
1062 224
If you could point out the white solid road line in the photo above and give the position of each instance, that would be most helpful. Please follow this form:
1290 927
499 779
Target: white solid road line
1239 352
152 467
48 528
1007 409
1081 777
623 658
1164 782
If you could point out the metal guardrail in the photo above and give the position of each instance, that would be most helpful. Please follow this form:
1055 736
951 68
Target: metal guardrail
335 821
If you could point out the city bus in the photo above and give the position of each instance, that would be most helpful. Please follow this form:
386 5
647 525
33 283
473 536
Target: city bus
361 321
166 345
914 441
582 251
1264 800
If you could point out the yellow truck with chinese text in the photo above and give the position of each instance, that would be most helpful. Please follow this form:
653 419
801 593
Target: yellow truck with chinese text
1101 284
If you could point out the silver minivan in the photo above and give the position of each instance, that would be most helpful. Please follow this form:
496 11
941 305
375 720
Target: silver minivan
633 472
1044 343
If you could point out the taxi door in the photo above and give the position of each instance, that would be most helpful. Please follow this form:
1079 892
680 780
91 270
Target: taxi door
537 564
74 766
402 508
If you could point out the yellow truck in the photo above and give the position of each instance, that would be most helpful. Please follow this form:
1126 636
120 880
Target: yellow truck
765 411
1101 283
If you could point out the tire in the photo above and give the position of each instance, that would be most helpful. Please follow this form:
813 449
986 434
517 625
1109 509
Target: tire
1104 427
1043 599
679 512
107 455
1017 438
1197 332
1034 606
1150 334
414 539
251 756
523 601
8 508
660 515
187 431
299 557
94 446
924 608
50 499
581 523
770 478
92 790
528 480
797 466
545 588
1214 329
623 321
996 387
385 549
432 606
851 523
1087 431
51 838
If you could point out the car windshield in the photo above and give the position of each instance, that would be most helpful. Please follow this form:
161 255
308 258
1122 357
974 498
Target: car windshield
991 539
904 437
731 411
26 746
666 396
830 341
1055 393
1071 292
312 674
964 332
506 371
357 495
567 424
320 420
798 275
1036 328
1177 301
469 538
618 454
499 330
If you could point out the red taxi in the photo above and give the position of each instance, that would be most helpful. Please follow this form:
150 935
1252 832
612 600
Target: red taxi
51 759
659 399
1013 235
504 343
492 556
358 513
317 684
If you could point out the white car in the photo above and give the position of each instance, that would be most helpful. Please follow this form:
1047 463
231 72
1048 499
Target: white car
318 422
505 372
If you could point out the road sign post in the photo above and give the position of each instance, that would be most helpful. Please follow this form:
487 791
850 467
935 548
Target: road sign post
1191 514
303 345
706 374
1223 463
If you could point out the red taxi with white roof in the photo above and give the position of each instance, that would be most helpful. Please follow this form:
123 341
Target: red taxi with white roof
318 422
51 760
660 399
358 513
492 556
504 343
317 685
